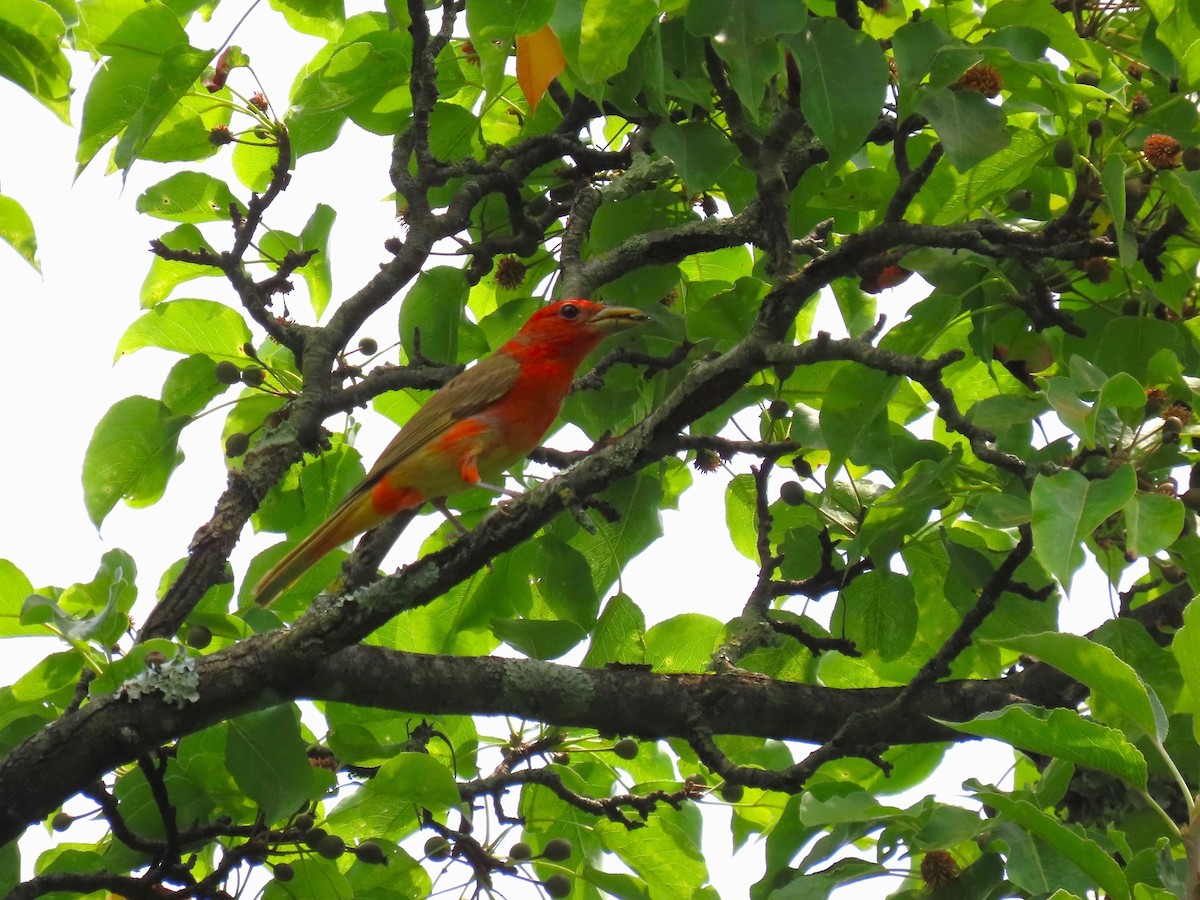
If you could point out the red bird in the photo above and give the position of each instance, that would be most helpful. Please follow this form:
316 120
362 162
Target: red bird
480 423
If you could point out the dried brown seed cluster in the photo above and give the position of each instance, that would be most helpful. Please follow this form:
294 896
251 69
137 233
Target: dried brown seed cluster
938 869
982 79
1162 151
510 272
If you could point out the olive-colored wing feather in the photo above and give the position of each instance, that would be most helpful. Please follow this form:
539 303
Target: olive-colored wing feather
464 395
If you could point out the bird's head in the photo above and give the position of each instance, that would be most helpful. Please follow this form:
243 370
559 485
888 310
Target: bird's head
576 326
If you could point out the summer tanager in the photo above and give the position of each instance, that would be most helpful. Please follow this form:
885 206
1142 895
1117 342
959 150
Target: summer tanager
476 426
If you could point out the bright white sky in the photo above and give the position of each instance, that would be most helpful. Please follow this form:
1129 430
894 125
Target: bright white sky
56 364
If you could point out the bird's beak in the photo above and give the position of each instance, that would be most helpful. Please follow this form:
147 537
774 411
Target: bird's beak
618 318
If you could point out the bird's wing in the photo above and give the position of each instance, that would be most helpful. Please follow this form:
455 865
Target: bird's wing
462 396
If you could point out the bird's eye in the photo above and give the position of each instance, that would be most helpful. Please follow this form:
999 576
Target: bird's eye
569 311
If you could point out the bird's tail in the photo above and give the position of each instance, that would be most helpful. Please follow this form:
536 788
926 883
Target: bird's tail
356 514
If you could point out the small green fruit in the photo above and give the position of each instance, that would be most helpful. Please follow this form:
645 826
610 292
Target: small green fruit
237 444
557 886
437 848
1091 79
61 821
792 493
313 837
1191 158
253 377
520 851
779 409
227 372
283 872
303 822
1095 128
1019 200
331 846
1064 154
199 637
558 850
732 793
368 346
626 748
371 853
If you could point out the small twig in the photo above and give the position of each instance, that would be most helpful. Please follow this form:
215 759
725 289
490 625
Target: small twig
120 829
154 773
594 380
911 182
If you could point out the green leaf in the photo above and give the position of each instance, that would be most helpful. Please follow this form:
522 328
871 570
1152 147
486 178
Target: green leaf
1083 851
191 385
683 643
310 491
404 781
1129 343
915 45
31 55
430 314
1067 508
317 273
133 452
313 877
667 853
562 583
1121 392
49 681
39 610
845 77
177 72
746 36
995 176
538 638
970 128
854 416
115 27
189 326
1186 647
1063 734
1097 666
399 878
14 588
150 69
267 757
610 31
189 197
363 77
878 612
320 18
254 161
838 803
702 152
112 99
16 230
95 610
1046 19
1112 178
741 515
1153 522
619 635
1036 868
453 132
503 20
10 867
165 275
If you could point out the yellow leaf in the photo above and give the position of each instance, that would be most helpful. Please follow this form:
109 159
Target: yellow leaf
539 60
